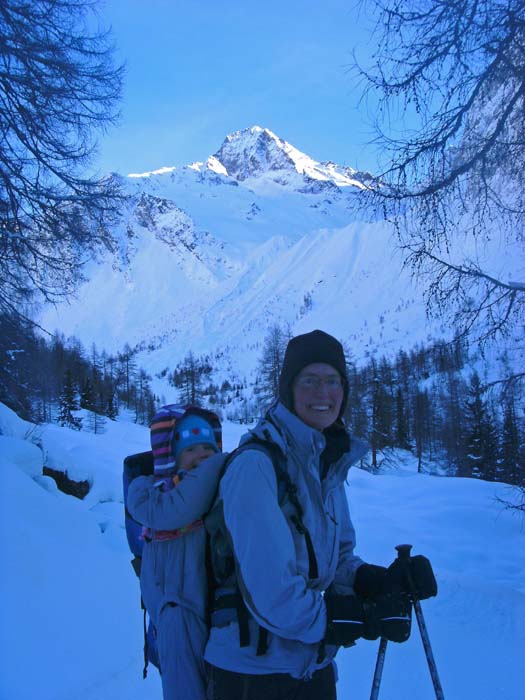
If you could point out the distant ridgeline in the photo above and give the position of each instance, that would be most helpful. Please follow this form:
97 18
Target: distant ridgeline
427 400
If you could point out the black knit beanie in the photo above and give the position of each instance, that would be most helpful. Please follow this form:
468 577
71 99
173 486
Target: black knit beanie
304 350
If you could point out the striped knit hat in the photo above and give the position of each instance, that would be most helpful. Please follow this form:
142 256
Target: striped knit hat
162 432
192 430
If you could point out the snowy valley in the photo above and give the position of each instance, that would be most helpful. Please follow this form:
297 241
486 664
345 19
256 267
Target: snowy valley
71 618
212 254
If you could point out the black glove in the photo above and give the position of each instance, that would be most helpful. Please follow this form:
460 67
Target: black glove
344 619
349 618
397 577
394 615
368 582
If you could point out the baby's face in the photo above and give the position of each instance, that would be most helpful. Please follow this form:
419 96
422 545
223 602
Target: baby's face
193 455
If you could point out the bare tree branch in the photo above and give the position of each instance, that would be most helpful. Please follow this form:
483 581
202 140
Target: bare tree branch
58 87
454 184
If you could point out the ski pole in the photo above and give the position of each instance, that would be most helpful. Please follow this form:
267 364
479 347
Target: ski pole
404 554
380 662
379 668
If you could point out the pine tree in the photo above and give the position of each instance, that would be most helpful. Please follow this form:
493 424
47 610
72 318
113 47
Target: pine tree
480 455
89 402
144 398
16 369
111 407
356 413
271 362
188 379
451 424
382 408
402 436
510 469
380 411
421 420
127 374
68 404
87 395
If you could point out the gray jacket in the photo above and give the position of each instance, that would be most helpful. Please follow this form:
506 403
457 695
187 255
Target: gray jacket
271 556
175 570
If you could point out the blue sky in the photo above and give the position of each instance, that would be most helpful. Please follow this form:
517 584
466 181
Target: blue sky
198 70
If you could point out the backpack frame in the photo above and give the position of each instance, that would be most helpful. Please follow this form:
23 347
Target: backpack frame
140 464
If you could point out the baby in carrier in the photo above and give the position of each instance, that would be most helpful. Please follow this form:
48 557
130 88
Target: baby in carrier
170 505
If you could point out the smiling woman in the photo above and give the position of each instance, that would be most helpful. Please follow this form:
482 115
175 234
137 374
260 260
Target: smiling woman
318 395
313 381
283 562
293 589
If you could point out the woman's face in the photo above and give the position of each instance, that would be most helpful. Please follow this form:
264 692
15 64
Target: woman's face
194 455
318 395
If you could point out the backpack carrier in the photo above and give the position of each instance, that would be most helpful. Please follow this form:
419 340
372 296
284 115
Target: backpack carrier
140 464
160 461
221 556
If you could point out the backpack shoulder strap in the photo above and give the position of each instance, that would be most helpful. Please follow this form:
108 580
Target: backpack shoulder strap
290 489
271 450
285 489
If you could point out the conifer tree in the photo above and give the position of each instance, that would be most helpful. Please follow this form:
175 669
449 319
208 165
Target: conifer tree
127 373
421 418
356 409
481 440
511 470
188 379
87 395
451 428
271 362
144 398
382 408
89 402
402 437
97 420
111 407
68 404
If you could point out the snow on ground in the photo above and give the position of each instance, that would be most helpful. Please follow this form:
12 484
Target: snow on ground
71 620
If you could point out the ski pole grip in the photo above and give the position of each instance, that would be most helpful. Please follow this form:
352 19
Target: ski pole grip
403 554
403 551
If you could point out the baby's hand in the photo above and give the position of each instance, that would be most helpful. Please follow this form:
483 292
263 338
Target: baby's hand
164 484
177 478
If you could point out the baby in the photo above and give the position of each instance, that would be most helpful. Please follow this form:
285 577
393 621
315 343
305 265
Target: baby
173 580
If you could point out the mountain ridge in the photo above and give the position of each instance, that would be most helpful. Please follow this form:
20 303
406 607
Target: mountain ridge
209 260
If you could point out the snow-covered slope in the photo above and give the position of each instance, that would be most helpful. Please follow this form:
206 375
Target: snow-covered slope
213 253
70 606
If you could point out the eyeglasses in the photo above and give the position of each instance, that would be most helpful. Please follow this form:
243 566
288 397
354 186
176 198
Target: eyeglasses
311 381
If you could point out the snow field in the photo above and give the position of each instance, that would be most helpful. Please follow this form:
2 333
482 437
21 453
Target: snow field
71 618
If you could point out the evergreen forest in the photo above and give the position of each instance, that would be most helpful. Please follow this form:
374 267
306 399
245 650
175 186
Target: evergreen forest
430 400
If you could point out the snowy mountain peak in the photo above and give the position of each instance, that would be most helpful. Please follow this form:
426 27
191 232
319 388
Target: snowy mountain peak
258 153
255 151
